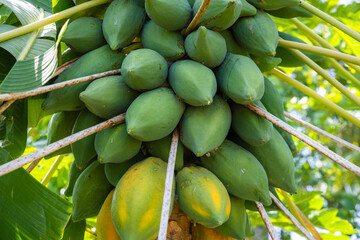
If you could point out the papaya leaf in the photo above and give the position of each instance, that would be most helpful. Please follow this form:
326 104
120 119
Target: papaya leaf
36 52
4 13
44 4
28 210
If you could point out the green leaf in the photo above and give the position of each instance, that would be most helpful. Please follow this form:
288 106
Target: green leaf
6 63
28 210
44 4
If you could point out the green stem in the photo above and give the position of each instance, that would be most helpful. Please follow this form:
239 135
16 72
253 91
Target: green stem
305 29
52 170
308 91
325 75
345 72
204 6
319 50
53 18
327 18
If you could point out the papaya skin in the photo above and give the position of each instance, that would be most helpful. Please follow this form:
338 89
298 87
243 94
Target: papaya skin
200 232
273 4
73 176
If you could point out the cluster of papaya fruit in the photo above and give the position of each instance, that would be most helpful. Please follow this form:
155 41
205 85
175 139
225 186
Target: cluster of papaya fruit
227 157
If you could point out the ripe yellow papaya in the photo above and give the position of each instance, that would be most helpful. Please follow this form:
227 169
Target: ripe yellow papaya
202 196
104 225
136 214
154 114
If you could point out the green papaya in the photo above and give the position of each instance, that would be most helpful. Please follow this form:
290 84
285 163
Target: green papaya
203 129
90 191
169 44
74 230
154 114
96 61
115 145
257 34
239 170
277 160
114 171
249 231
191 2
266 64
161 149
73 176
220 15
247 9
117 29
171 15
84 34
60 126
291 12
193 82
273 4
240 79
202 196
107 97
250 205
235 227
275 105
144 69
231 45
251 127
138 198
68 55
206 46
84 150
290 60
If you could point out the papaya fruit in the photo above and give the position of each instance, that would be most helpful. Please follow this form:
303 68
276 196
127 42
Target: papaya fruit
240 79
191 2
171 15
266 64
251 127
114 171
290 60
84 34
249 231
247 9
193 82
136 214
200 232
203 129
90 191
154 114
117 29
277 160
228 161
107 97
74 174
275 105
104 225
84 150
115 145
235 227
161 149
206 46
202 196
290 12
168 43
250 205
60 126
231 45
68 55
220 15
144 69
96 61
273 4
74 230
258 34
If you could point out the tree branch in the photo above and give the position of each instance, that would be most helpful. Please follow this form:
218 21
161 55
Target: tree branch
267 221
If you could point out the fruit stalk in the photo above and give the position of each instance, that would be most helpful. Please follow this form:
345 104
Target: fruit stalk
267 221
52 170
6 105
204 6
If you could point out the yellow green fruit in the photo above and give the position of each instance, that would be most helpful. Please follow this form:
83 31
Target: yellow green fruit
200 232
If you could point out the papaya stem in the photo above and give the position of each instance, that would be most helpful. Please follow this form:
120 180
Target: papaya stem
267 221
52 87
48 20
6 105
52 170
32 165
165 211
307 31
40 153
309 141
327 18
319 50
291 217
204 6
299 214
325 75
323 133
308 91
